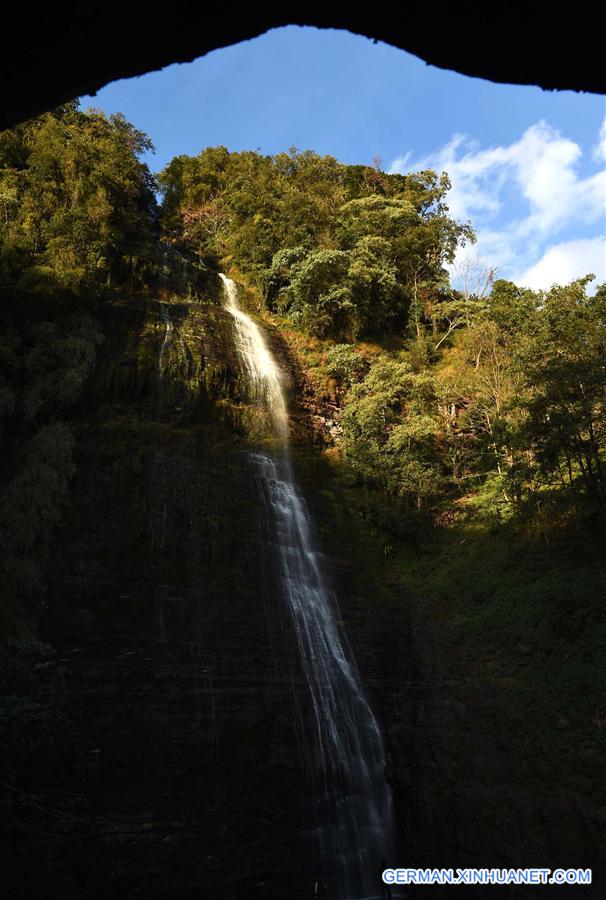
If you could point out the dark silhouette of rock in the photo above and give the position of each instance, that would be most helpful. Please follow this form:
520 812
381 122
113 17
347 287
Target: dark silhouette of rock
66 50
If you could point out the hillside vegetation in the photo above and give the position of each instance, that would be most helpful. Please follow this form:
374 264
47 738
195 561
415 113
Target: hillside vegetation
472 438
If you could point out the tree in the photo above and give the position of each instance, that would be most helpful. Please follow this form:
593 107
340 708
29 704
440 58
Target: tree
564 360
390 430
76 199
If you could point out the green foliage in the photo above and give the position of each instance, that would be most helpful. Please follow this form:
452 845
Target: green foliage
495 410
249 206
377 216
389 430
564 360
376 292
74 201
504 420
346 364
77 210
339 249
529 378
317 298
336 292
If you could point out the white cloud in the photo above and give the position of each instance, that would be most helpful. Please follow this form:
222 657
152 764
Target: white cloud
521 196
562 262
599 151
401 163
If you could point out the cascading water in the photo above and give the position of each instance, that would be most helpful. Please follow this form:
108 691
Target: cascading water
346 758
264 376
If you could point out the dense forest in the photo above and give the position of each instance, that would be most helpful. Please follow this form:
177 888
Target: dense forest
77 208
487 401
469 442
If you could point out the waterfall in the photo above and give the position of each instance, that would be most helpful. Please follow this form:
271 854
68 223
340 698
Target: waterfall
263 373
345 755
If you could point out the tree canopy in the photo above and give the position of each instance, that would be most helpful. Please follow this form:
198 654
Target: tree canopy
75 200
338 249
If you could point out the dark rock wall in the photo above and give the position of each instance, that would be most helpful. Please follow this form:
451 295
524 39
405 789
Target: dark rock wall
175 771
178 773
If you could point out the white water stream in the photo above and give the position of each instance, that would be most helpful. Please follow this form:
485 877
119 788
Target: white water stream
345 753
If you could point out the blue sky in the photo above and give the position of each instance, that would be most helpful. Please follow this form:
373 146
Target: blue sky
528 167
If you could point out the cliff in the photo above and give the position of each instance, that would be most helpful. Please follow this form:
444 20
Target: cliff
173 768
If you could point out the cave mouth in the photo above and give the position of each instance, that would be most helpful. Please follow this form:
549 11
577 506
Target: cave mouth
70 50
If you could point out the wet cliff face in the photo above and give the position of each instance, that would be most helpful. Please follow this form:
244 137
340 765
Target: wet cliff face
175 769
177 766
